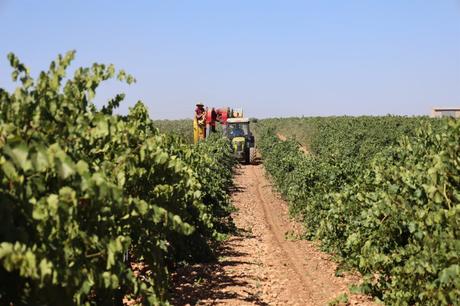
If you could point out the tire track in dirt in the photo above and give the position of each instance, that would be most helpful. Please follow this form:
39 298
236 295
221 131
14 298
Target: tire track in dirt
258 265
290 252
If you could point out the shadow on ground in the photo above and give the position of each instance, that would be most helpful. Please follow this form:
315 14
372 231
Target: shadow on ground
255 162
208 283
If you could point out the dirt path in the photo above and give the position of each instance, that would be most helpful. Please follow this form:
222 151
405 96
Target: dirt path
263 264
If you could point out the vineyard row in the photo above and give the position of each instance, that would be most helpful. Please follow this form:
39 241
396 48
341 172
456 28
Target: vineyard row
86 194
383 193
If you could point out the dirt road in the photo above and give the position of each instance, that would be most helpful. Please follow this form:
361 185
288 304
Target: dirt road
264 264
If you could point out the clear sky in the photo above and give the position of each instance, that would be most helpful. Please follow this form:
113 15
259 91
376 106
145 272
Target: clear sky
273 58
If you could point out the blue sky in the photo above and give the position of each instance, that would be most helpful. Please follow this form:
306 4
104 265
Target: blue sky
273 58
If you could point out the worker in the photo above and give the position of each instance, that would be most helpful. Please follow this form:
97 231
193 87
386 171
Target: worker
213 120
199 123
200 111
237 131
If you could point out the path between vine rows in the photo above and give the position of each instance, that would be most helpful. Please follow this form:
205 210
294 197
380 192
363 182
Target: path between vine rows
263 264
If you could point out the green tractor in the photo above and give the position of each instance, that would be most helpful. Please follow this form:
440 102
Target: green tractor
242 139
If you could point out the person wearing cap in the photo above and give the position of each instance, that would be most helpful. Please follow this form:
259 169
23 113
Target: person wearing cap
199 111
199 123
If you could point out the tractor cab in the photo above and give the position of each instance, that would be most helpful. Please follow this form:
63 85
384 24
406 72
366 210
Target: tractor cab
240 135
234 126
238 129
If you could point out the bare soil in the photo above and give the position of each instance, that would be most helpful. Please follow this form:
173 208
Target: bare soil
263 263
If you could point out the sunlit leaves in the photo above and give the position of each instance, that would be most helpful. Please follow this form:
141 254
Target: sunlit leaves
387 201
80 188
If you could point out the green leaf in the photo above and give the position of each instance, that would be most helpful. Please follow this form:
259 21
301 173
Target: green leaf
9 170
19 154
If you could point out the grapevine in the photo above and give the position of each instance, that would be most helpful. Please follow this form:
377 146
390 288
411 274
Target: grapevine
80 187
381 192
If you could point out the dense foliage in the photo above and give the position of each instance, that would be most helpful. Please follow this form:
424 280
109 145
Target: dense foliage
182 127
81 187
383 193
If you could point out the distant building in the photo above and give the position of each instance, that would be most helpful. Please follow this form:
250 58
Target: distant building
439 112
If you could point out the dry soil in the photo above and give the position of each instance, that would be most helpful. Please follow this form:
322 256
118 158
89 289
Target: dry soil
264 263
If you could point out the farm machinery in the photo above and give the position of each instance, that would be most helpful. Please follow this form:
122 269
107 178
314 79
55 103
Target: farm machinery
234 126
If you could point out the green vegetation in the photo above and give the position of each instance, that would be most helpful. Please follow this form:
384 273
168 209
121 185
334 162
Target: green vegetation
182 128
85 192
81 187
381 192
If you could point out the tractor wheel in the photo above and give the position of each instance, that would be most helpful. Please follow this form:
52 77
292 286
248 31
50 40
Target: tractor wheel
252 155
247 156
